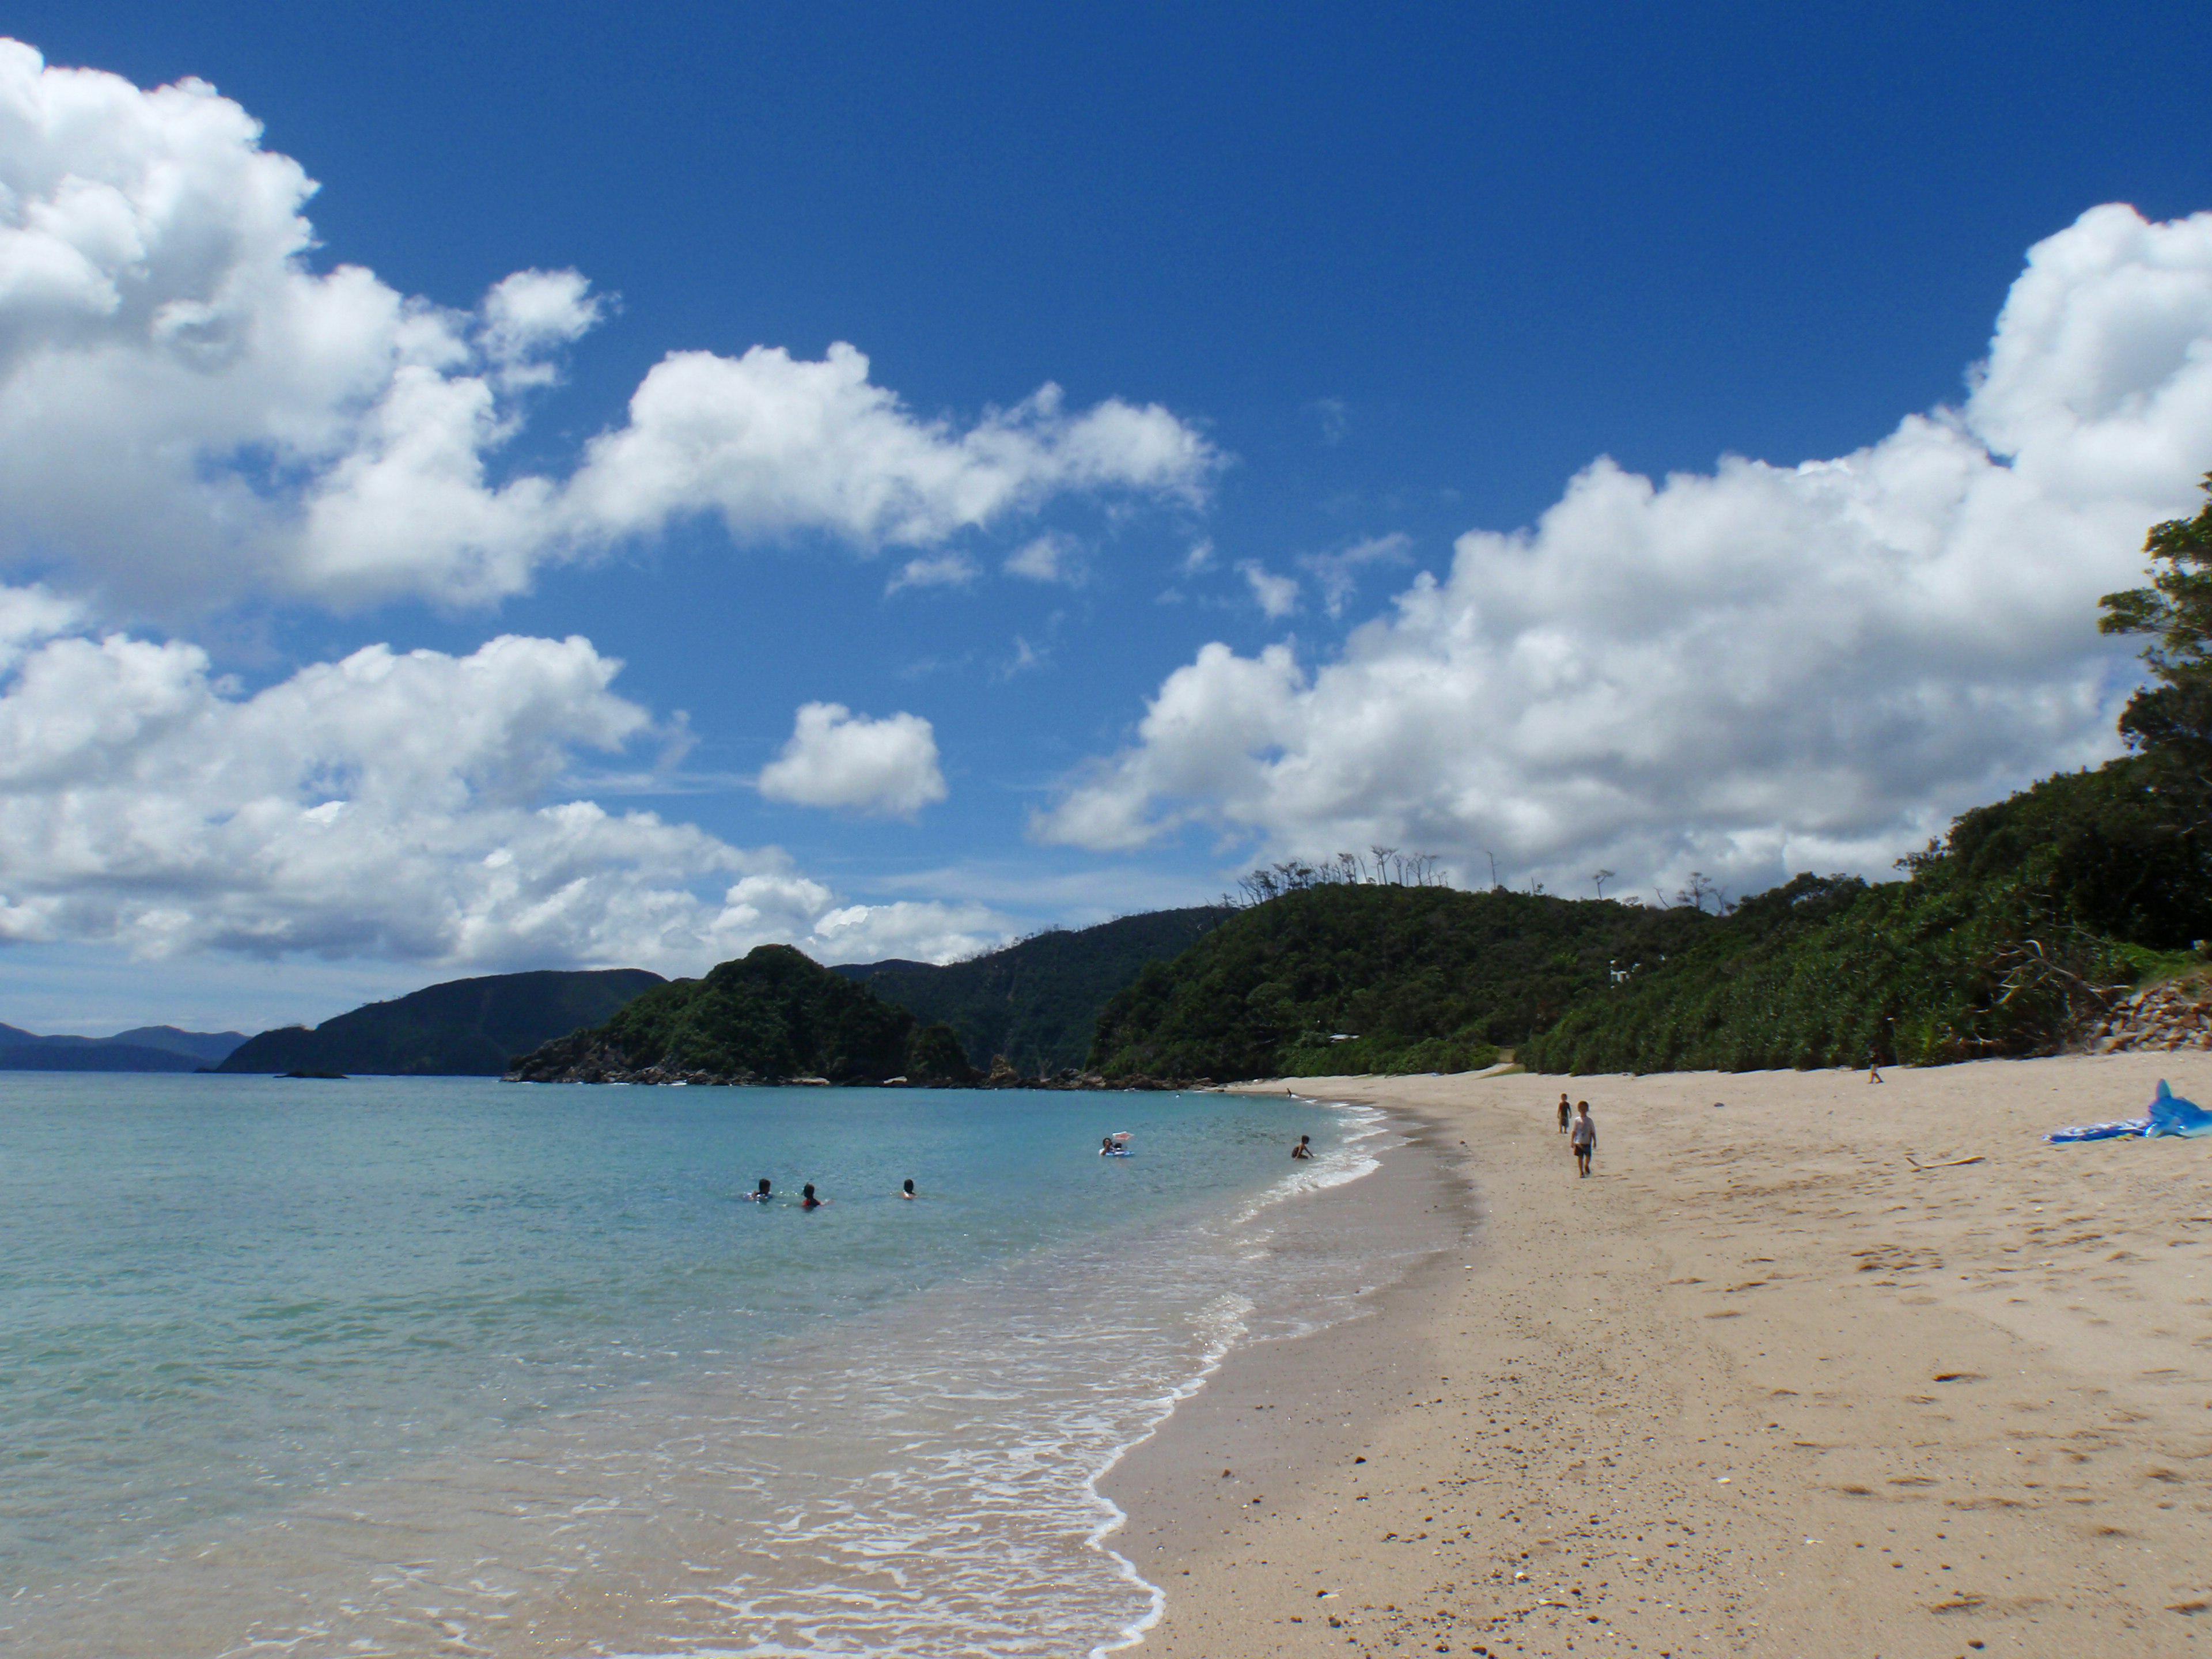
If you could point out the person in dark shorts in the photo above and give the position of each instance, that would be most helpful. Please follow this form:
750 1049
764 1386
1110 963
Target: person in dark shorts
1562 1113
1582 1137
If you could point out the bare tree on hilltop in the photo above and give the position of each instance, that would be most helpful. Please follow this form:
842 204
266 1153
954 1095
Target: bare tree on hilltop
1701 888
1380 866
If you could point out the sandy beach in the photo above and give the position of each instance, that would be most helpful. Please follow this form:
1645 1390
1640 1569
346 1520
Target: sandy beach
1827 1368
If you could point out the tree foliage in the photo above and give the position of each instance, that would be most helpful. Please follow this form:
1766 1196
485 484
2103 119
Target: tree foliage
1422 978
1378 866
773 1013
2169 721
1037 1002
2010 933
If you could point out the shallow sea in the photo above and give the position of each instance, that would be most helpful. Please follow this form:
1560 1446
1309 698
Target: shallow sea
445 1365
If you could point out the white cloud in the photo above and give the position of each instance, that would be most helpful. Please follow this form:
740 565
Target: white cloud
1337 573
188 411
530 315
407 806
927 932
1751 672
838 758
1276 596
1051 557
1200 558
934 570
775 446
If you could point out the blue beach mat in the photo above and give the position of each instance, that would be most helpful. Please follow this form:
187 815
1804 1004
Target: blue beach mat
2169 1114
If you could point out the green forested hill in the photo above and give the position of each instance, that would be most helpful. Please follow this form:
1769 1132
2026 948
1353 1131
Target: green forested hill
465 1027
773 1014
1996 945
1038 1002
1423 978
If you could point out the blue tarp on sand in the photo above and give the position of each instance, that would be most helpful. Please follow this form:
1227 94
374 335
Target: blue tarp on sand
2169 1114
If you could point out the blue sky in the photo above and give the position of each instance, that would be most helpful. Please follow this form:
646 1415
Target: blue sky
1390 278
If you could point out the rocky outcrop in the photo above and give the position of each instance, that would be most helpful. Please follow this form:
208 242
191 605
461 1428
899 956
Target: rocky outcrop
589 1057
2174 1014
1004 1076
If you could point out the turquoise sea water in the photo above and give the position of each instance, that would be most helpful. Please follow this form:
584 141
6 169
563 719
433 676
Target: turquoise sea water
448 1365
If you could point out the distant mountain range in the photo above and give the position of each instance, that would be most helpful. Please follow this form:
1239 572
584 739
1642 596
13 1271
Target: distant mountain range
144 1048
462 1028
1037 1002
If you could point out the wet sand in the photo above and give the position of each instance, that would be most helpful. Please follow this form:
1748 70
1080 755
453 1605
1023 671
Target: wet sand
1787 1377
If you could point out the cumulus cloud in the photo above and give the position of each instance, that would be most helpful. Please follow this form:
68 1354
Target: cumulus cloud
1276 596
838 758
189 411
407 806
1749 671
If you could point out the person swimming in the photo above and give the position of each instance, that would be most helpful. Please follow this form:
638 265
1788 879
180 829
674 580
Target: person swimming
760 1193
1304 1148
807 1199
1106 1148
906 1188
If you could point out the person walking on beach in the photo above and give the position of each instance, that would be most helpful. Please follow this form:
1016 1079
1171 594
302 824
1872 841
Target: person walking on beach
1563 1112
1304 1148
1583 1138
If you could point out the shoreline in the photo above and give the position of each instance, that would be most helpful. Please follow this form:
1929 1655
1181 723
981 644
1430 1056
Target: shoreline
1225 1438
1787 1377
1411 1229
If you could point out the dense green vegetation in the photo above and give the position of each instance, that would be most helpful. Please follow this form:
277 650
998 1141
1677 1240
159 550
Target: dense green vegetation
2000 944
774 1013
1425 978
2168 722
1037 1002
464 1027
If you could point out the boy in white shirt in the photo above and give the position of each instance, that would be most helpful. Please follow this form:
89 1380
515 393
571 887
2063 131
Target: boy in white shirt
1583 1138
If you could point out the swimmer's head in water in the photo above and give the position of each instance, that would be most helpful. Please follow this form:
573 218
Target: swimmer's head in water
807 1191
906 1187
762 1189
